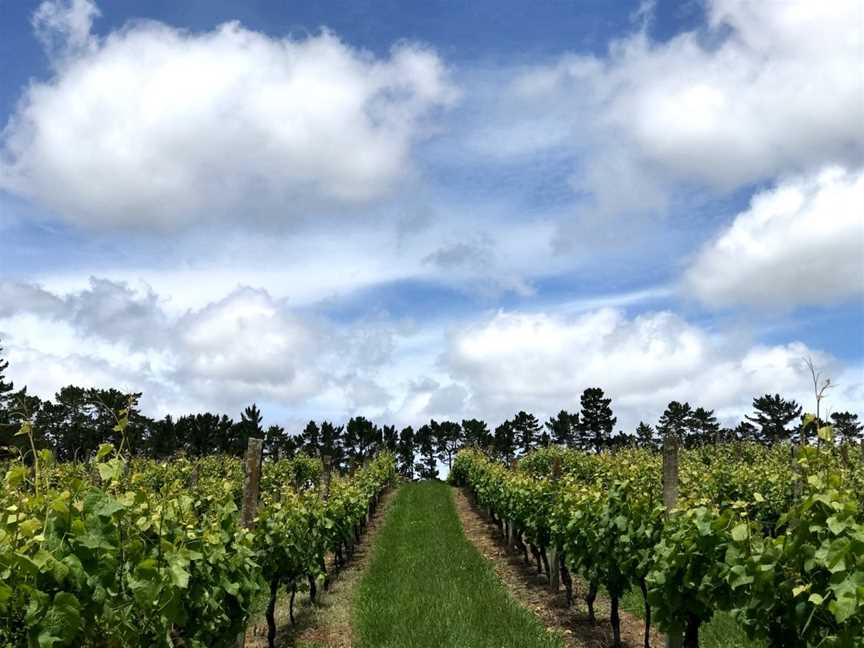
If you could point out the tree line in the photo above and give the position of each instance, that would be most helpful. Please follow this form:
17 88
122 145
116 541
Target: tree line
78 420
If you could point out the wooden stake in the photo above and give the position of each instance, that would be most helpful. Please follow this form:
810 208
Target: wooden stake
670 501
251 484
554 562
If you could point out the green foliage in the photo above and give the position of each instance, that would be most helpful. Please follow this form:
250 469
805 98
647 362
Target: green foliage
120 552
786 561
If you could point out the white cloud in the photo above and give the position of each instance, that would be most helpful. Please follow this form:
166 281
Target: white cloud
543 361
63 27
763 89
152 126
242 347
801 242
248 345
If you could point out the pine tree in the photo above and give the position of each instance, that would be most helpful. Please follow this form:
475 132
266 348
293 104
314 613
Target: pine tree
389 438
332 444
476 433
448 439
362 439
846 426
646 436
704 426
504 441
596 420
405 452
564 428
5 388
249 426
311 439
744 431
676 421
278 445
425 441
527 429
773 414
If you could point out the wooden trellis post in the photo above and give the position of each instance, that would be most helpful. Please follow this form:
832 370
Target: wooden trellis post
554 566
670 501
251 485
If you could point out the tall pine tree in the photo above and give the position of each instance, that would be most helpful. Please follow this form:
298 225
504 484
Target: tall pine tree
426 447
405 452
676 421
475 433
595 419
504 441
773 414
527 430
704 426
846 426
646 436
564 428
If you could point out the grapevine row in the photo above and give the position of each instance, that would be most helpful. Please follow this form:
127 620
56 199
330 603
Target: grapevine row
117 552
777 543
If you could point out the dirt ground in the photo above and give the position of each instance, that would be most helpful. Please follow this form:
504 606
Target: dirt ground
327 622
533 592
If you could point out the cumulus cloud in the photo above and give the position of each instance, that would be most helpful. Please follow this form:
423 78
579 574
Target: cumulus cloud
248 345
543 361
152 126
801 242
762 89
63 28
244 346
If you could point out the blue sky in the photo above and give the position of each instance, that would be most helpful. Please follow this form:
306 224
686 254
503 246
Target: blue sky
444 209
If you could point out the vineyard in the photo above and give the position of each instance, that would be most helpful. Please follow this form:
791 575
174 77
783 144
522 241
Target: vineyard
120 552
128 551
777 543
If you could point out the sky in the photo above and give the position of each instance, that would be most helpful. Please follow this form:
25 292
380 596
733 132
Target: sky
433 210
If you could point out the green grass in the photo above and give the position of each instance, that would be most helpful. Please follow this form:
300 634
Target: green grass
428 587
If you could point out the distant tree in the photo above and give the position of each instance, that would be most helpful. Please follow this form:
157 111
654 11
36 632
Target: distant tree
426 447
163 442
504 441
277 444
331 444
405 452
773 414
105 407
744 431
564 428
6 388
249 426
476 433
676 421
448 439
389 438
846 426
704 427
526 428
21 407
646 436
311 439
596 420
81 419
362 438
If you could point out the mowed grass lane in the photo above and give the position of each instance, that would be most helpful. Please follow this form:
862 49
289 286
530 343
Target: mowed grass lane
428 587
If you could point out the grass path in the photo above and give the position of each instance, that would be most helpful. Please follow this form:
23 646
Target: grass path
428 587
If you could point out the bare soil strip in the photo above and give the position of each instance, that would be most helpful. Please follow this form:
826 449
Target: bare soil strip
327 622
532 590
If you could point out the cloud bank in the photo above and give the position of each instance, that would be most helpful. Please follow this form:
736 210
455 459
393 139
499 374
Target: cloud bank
801 242
152 126
248 345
